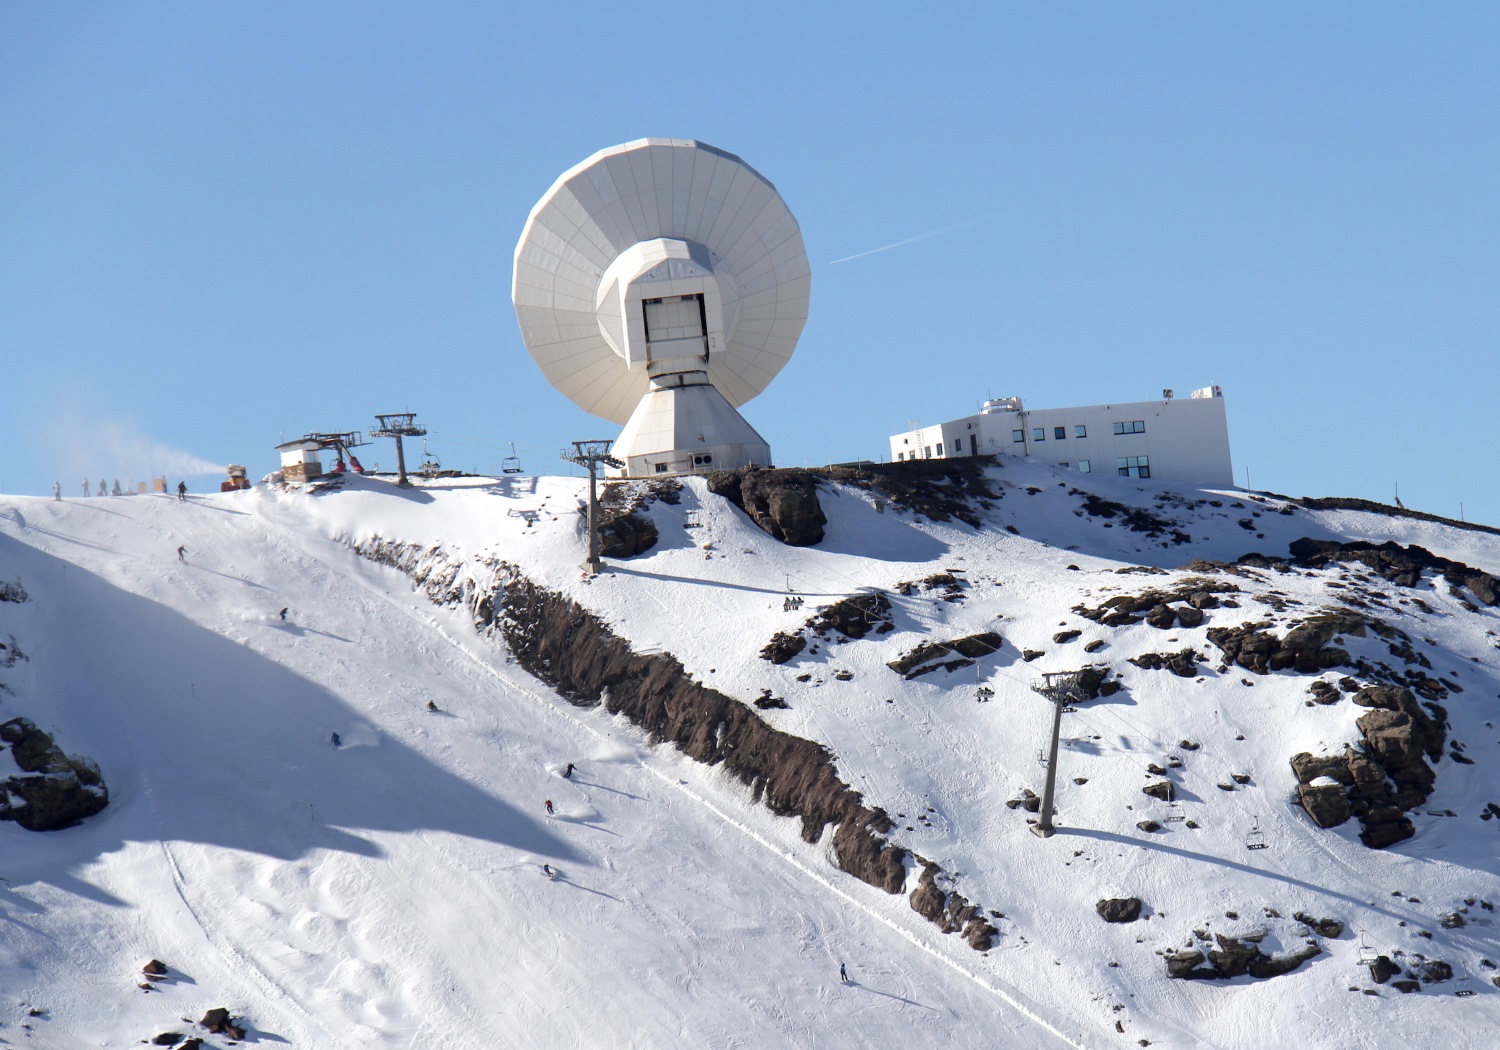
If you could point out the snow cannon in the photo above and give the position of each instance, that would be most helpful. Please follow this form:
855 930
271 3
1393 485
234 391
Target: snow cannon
236 480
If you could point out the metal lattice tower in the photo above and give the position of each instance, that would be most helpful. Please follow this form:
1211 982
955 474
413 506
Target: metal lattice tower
1061 689
590 454
398 425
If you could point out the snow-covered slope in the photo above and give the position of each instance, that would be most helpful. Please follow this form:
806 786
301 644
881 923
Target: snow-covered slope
389 892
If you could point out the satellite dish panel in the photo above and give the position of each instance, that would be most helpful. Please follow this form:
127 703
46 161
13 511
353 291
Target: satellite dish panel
662 258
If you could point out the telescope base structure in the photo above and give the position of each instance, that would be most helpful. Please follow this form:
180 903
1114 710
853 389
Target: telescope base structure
685 426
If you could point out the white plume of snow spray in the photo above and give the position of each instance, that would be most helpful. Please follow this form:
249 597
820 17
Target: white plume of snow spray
115 449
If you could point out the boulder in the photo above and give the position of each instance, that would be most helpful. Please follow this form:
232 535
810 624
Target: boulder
1161 789
1119 909
1186 965
1382 969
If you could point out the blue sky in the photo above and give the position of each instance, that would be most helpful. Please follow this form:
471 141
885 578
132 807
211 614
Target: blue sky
222 224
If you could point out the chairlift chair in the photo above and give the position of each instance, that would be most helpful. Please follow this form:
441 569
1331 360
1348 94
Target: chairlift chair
1041 758
690 519
1255 839
1465 987
511 464
1175 815
1367 952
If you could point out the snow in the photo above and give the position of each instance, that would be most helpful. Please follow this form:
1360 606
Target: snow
389 892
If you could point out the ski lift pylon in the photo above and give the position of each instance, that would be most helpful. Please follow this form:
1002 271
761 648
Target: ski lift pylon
511 464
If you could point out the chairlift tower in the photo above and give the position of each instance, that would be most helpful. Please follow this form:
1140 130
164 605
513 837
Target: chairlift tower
590 454
1062 690
398 425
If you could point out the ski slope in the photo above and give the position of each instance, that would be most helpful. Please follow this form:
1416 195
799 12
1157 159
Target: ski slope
388 892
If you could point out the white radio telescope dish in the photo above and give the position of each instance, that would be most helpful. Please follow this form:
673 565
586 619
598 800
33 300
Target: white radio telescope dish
661 284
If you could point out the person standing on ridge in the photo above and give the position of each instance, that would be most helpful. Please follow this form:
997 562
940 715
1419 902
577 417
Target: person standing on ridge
103 489
85 486
57 490
181 491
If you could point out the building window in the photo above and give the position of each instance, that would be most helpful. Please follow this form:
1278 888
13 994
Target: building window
1018 435
1080 431
926 451
661 468
1083 467
1060 433
900 456
1134 466
1137 426
1038 433
1063 465
958 446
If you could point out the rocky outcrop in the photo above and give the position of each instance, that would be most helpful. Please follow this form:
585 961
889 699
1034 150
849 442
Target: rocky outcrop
1161 607
626 535
951 655
784 503
937 489
950 911
855 616
1385 777
1304 648
1237 957
53 790
1402 566
1182 663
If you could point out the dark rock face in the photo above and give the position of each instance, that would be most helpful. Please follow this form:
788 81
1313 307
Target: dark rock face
626 535
1120 909
54 790
1327 804
1382 969
784 503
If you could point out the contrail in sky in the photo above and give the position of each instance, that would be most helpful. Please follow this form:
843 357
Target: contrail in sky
919 237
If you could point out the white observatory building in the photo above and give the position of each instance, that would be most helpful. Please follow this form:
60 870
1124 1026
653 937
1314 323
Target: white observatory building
1185 440
661 284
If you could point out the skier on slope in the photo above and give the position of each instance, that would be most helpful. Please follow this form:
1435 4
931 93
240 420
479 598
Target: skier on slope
568 773
549 871
843 974
283 614
335 741
181 554
549 807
